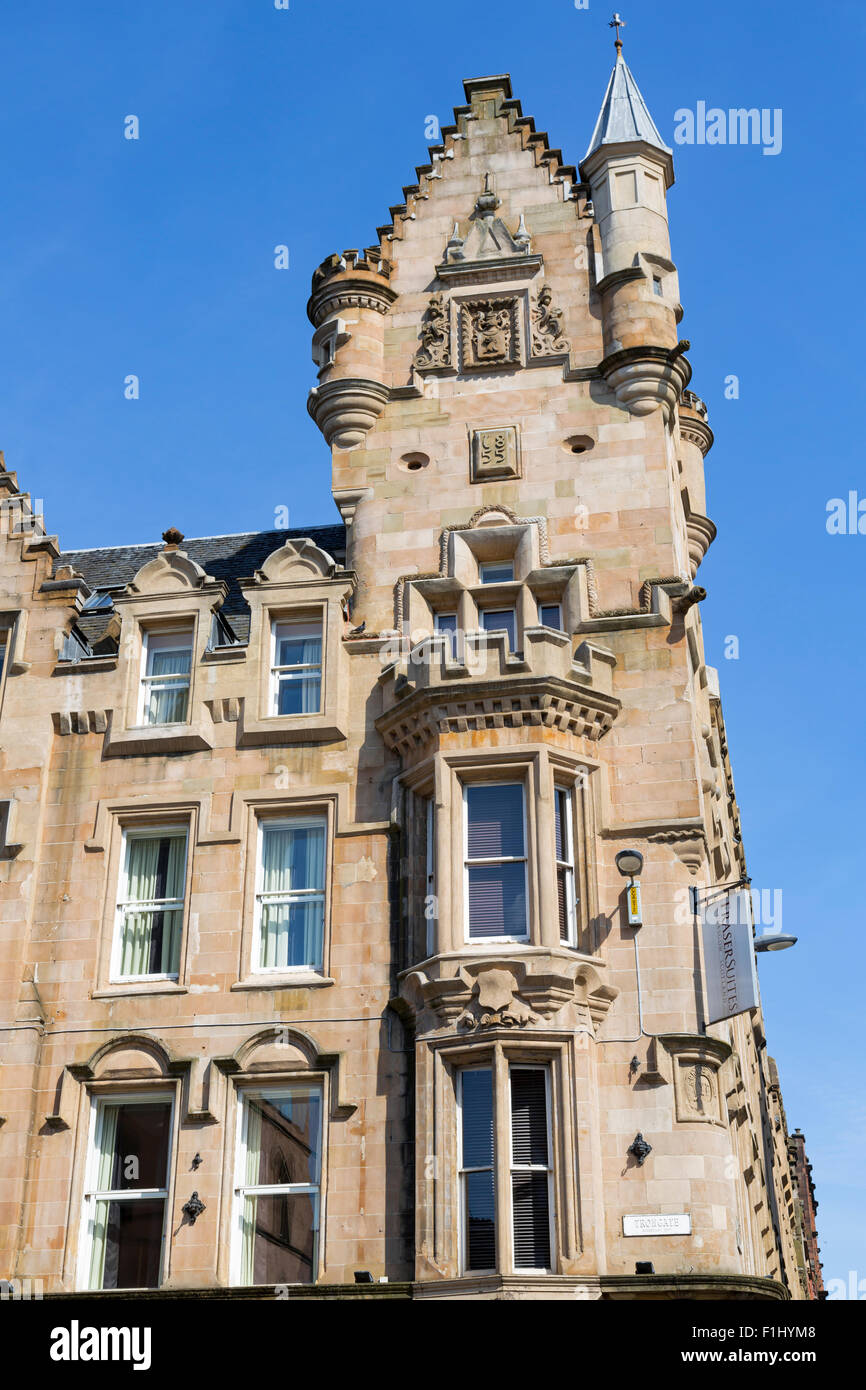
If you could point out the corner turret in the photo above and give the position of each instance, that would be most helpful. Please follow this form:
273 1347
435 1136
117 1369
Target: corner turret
629 169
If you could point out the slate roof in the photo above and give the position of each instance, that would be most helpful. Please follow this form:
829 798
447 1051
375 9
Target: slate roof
624 115
229 558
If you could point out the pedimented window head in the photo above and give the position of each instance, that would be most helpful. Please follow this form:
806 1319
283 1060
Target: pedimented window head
172 570
298 559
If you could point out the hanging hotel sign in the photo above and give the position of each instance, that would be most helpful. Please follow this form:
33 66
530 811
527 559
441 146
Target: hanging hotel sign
729 954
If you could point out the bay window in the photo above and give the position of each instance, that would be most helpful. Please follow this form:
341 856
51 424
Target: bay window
290 894
165 678
495 868
296 666
277 1194
149 919
512 1229
126 1192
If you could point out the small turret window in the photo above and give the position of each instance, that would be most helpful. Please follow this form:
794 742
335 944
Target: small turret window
497 572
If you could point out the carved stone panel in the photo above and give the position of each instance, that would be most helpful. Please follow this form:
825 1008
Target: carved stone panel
697 1090
495 454
435 349
490 334
546 329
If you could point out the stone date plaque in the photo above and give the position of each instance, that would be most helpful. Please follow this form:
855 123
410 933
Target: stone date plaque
495 454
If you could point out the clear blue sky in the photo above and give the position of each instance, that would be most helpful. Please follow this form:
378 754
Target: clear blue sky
261 127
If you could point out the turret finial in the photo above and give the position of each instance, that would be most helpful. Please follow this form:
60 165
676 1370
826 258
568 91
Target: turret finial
617 23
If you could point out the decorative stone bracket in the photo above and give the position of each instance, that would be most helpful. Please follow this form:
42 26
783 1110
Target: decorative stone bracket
518 989
644 378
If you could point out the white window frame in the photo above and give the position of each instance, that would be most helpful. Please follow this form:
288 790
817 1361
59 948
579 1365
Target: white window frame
146 681
156 832
305 820
487 1065
487 565
569 866
508 859
276 672
242 1190
92 1195
531 1167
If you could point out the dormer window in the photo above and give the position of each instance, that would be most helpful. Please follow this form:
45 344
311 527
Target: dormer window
296 666
166 669
99 601
496 572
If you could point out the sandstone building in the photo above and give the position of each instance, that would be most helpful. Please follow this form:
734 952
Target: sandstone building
317 961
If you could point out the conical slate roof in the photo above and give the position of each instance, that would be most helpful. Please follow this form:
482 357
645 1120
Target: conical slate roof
624 115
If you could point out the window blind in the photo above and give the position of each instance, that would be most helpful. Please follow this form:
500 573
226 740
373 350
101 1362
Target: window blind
530 1176
479 1197
497 619
530 1202
495 821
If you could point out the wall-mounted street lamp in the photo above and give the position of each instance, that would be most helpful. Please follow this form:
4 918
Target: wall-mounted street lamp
630 863
774 941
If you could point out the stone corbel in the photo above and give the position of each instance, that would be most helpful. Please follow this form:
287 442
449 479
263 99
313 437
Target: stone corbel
346 409
644 378
347 500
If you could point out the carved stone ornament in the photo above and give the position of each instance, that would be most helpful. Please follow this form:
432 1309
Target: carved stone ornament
697 1090
697 1062
495 454
435 349
496 1003
547 331
489 334
514 992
